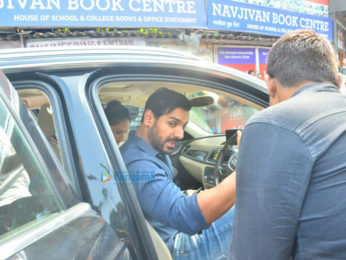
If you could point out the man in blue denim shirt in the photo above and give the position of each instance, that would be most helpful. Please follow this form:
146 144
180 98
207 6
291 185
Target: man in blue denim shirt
291 171
193 227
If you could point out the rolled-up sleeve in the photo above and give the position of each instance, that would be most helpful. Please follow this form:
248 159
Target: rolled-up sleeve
273 173
163 201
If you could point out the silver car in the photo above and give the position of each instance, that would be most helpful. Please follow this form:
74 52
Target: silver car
64 189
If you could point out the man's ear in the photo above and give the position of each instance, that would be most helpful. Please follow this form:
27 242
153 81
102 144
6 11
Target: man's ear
270 85
149 118
340 80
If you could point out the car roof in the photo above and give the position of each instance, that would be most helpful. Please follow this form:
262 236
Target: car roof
23 56
46 59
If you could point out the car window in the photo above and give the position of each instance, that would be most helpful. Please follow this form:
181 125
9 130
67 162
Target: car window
44 103
226 112
213 111
206 97
40 106
26 196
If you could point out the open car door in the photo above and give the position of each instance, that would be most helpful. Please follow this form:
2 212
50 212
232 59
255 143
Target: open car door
40 218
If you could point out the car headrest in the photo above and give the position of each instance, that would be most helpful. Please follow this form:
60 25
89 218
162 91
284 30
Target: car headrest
45 120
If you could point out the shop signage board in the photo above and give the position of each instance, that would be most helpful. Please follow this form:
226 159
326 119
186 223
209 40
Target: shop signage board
311 7
209 14
240 58
235 16
243 58
103 13
82 42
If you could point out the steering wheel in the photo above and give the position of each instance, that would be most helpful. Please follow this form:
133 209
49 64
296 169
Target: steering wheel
226 160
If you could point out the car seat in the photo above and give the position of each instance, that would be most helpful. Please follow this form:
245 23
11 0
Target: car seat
46 122
159 245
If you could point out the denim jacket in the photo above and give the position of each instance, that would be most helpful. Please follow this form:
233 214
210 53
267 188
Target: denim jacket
291 179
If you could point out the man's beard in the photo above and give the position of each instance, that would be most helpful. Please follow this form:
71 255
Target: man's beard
157 143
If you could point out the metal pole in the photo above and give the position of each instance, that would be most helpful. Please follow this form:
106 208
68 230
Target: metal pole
21 38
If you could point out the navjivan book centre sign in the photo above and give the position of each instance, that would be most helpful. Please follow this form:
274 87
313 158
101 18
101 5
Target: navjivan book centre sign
210 14
240 17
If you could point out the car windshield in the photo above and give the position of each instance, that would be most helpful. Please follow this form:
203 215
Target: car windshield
215 120
224 113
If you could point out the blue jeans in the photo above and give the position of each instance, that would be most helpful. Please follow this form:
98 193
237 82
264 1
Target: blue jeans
213 243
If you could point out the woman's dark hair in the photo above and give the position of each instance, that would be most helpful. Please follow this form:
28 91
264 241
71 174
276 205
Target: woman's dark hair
163 101
116 112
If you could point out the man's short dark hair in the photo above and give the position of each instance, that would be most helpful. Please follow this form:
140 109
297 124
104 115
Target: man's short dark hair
302 56
163 101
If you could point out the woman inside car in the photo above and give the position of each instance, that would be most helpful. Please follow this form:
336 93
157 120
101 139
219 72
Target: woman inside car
119 119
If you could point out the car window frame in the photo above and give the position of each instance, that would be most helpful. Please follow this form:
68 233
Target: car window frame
61 122
103 76
127 191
